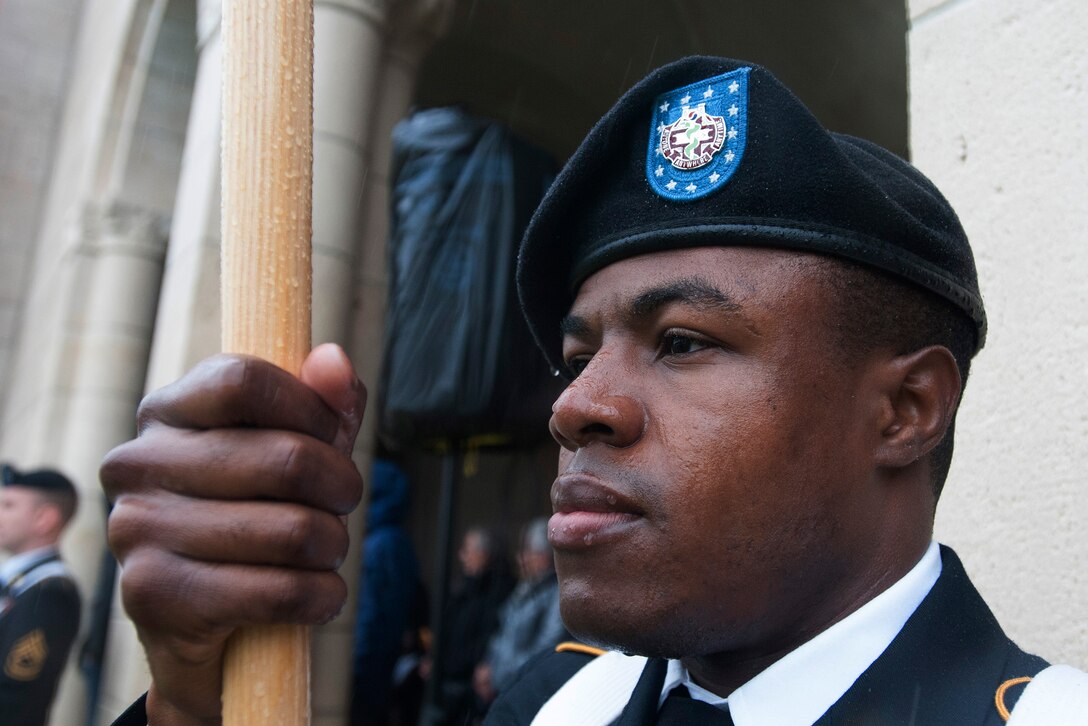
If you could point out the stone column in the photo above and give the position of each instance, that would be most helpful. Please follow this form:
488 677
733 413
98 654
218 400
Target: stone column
187 327
108 357
348 43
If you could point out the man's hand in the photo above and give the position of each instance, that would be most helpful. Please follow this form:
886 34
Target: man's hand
229 510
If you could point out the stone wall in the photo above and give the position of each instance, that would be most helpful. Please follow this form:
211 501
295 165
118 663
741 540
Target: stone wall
999 120
36 42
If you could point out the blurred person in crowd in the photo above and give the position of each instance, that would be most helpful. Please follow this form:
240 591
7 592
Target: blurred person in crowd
386 623
39 601
529 622
471 617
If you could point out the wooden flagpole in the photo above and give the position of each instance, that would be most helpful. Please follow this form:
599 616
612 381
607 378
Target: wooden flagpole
267 176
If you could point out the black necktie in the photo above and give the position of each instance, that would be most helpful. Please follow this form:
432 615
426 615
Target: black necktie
680 708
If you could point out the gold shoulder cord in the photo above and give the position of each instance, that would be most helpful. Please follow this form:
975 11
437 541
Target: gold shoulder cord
999 697
573 647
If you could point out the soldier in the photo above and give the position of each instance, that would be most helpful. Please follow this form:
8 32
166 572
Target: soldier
766 328
39 601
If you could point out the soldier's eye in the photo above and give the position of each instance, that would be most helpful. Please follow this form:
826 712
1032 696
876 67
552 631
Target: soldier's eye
576 365
681 344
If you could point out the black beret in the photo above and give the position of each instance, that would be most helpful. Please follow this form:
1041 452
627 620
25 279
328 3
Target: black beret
43 479
712 151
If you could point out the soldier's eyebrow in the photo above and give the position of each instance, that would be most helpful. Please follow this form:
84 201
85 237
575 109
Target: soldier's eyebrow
574 325
695 291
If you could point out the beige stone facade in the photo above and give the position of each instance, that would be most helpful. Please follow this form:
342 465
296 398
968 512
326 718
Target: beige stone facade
999 119
109 228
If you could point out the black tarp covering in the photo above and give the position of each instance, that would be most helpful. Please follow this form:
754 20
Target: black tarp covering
459 359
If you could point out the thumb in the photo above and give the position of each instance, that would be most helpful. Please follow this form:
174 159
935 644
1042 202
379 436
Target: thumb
328 371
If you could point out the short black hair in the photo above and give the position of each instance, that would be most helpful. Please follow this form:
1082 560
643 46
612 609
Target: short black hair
874 310
50 485
66 502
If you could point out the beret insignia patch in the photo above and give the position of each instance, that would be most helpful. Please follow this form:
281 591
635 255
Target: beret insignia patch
697 136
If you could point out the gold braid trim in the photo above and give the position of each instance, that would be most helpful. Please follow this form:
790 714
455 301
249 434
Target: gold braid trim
573 647
999 697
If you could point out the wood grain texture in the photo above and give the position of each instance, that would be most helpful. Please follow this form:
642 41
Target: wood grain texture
267 173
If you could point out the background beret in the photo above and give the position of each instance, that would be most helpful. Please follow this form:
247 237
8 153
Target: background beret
795 185
43 479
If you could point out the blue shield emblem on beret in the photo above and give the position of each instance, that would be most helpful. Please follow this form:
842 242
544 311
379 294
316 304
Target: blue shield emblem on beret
697 136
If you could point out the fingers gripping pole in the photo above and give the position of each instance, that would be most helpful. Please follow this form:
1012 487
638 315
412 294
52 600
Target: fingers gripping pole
267 162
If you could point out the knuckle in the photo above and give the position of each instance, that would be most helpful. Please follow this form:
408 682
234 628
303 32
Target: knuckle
348 490
150 409
312 598
190 652
126 526
313 540
231 376
341 544
294 598
329 593
337 596
353 489
294 467
115 471
299 536
130 468
142 588
134 467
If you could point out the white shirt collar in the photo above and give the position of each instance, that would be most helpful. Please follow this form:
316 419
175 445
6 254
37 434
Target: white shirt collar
818 673
17 563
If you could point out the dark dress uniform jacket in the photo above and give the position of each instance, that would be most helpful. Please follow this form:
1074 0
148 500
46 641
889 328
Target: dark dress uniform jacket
37 628
943 668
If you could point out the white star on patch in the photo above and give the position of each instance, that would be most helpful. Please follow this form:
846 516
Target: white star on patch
733 110
663 107
685 100
690 188
660 128
670 186
708 92
715 177
729 156
734 87
659 171
732 133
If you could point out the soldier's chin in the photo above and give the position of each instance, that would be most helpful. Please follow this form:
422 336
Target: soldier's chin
602 626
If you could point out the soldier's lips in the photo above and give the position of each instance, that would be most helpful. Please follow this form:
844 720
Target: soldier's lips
588 512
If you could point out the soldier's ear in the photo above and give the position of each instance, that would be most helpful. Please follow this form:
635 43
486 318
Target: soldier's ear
48 517
920 393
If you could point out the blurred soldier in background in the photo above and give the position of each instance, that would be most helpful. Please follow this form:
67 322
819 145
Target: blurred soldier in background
39 601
